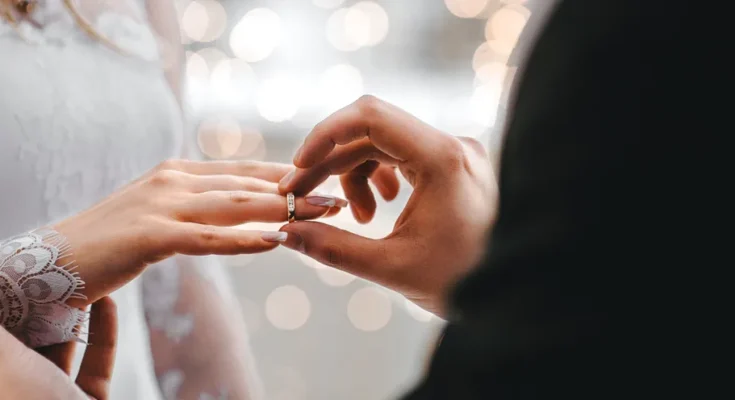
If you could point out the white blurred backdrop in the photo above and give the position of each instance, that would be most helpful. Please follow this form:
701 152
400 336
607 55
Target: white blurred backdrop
260 74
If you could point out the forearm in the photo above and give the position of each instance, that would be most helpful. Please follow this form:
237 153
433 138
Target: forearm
197 335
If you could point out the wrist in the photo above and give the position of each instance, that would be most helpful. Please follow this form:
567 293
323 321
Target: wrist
38 283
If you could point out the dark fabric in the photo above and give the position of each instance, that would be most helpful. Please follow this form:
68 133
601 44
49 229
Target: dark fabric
604 190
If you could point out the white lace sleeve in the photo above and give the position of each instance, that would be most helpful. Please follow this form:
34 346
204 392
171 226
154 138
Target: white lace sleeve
198 337
36 280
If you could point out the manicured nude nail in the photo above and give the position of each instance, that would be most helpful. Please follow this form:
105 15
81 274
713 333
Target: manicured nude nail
325 200
286 179
274 237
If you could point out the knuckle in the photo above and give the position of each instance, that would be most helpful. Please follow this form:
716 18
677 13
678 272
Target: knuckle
245 166
401 255
208 234
164 177
370 106
471 143
243 243
319 127
332 255
171 163
239 197
454 157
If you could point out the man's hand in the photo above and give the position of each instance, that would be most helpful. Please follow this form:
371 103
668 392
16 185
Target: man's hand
440 234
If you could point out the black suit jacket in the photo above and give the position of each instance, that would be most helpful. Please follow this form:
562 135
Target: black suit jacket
603 194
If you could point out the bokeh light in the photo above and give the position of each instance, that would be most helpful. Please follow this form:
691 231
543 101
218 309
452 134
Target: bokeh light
491 72
483 55
328 3
253 146
287 307
204 20
366 23
257 35
195 21
337 34
197 69
369 309
229 73
212 56
339 86
233 81
219 138
279 98
504 28
466 8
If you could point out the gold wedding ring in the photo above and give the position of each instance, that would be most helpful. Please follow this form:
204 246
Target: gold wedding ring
291 204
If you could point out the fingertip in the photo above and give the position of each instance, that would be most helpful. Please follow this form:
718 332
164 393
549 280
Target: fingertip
388 193
105 310
366 218
274 237
362 216
107 303
284 185
304 159
297 155
391 196
293 239
386 181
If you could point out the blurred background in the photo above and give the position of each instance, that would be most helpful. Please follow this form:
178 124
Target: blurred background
260 74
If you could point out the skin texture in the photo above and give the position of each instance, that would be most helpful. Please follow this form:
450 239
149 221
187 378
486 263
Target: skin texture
179 207
426 252
44 375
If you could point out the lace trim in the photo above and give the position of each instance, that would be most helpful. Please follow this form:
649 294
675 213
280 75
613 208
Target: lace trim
34 290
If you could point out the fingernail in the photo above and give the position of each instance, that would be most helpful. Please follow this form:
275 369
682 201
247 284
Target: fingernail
274 237
286 179
298 155
322 200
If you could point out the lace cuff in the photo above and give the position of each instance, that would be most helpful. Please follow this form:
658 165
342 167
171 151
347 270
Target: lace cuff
34 289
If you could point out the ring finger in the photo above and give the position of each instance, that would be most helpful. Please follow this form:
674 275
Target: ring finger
228 208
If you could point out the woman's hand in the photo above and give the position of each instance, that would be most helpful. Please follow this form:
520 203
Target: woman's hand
181 207
440 234
26 374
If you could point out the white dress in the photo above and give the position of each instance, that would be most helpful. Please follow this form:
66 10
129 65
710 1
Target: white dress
78 120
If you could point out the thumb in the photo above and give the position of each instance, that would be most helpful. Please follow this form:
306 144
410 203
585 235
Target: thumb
358 255
95 372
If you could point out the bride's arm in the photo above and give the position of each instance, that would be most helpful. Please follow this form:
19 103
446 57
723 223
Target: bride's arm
198 338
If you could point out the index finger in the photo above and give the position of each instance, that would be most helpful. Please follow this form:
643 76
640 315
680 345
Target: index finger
390 129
